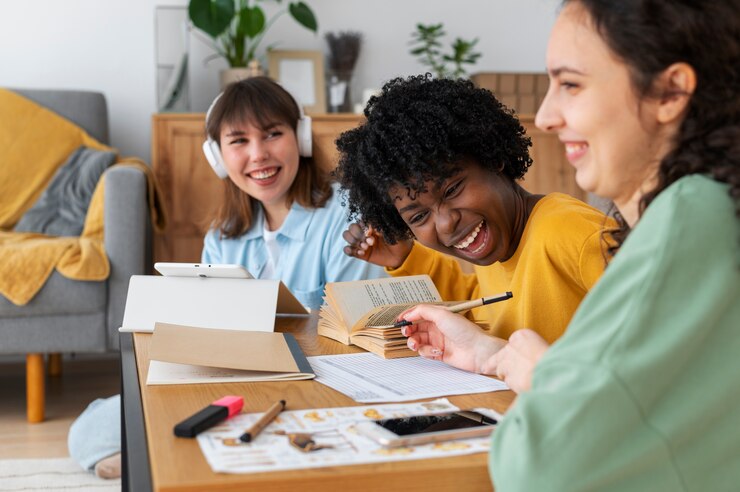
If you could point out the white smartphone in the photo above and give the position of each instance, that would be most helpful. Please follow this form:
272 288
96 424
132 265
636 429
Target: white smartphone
422 429
203 270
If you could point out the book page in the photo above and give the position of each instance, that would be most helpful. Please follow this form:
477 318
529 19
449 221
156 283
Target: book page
379 321
331 325
355 299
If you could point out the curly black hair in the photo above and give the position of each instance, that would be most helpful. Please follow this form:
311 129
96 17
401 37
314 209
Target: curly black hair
421 129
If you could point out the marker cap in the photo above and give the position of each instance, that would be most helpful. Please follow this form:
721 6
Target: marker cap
233 403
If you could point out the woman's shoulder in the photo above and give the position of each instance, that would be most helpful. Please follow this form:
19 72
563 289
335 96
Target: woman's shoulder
335 205
701 192
558 215
570 234
560 205
313 223
695 205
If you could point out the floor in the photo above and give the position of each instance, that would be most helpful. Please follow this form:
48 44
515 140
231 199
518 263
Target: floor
82 381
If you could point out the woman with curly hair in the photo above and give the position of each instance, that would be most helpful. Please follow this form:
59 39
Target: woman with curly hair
439 161
641 393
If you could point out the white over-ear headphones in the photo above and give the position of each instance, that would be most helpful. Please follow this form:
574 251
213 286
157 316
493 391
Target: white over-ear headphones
212 150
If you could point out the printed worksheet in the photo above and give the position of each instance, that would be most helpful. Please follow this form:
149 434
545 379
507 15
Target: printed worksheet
367 378
322 437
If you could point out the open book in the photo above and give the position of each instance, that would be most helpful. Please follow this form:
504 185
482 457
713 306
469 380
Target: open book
363 312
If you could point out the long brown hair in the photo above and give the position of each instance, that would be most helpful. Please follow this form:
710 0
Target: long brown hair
651 35
261 102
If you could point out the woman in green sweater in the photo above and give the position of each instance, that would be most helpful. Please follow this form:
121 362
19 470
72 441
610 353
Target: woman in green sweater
645 95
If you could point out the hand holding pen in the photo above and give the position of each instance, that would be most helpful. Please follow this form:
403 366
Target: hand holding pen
437 333
464 306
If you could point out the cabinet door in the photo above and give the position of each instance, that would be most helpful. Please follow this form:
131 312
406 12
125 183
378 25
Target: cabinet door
325 130
190 188
550 170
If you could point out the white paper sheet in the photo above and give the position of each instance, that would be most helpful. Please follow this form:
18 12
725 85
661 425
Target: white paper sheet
332 436
368 378
173 373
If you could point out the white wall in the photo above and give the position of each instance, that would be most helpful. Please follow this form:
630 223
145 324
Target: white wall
108 45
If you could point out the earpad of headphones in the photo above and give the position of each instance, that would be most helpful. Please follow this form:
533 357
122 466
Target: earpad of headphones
303 134
214 158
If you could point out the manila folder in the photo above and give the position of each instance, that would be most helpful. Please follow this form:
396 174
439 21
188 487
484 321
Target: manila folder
245 355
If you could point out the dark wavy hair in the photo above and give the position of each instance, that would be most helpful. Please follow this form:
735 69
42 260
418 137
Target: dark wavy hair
649 36
420 129
261 102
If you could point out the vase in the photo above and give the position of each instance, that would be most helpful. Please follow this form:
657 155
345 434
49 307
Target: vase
340 100
234 74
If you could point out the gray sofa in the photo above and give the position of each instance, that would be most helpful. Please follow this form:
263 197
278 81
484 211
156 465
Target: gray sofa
74 316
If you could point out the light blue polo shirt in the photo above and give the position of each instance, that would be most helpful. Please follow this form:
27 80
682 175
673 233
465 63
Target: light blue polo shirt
311 250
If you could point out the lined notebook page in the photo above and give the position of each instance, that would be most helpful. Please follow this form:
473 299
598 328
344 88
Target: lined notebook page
368 378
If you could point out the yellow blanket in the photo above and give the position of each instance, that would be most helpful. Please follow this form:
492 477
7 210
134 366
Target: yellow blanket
34 143
32 146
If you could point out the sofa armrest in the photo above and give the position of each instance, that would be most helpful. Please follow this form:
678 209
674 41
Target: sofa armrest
127 239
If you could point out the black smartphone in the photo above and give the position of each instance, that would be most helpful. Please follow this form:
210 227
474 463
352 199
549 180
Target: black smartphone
422 429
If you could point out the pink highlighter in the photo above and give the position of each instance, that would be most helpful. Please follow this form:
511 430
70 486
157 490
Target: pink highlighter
216 412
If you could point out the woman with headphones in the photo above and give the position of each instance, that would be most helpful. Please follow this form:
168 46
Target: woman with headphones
280 217
278 208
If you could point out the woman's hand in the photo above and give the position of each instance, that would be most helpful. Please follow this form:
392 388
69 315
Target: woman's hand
515 363
367 244
439 334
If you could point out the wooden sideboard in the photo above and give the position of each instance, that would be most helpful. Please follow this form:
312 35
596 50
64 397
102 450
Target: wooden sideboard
191 190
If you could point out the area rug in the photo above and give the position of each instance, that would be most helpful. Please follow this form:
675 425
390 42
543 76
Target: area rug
51 474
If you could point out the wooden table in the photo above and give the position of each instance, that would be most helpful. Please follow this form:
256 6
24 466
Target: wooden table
154 459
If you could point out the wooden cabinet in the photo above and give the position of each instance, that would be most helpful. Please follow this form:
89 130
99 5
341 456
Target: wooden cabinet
550 170
189 186
191 190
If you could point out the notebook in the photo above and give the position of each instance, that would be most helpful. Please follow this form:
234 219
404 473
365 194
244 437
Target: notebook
181 354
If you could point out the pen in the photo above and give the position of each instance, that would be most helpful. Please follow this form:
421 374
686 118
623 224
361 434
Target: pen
219 410
464 306
266 418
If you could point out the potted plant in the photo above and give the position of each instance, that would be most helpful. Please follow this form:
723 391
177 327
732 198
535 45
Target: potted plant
427 47
237 27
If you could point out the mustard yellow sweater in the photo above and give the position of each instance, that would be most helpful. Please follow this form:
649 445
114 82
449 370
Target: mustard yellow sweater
560 257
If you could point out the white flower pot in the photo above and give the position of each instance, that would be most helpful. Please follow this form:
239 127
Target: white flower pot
230 75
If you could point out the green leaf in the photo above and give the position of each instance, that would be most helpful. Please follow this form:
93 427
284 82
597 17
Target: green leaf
303 14
251 21
211 16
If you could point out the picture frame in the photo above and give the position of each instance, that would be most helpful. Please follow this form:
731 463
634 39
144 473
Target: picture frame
302 74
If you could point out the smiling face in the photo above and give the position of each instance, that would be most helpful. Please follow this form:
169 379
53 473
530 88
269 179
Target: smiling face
473 215
611 136
262 162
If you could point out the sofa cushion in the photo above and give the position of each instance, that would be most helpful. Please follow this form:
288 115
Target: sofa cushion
62 207
59 296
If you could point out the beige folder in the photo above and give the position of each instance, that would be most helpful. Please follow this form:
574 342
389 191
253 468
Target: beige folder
186 354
